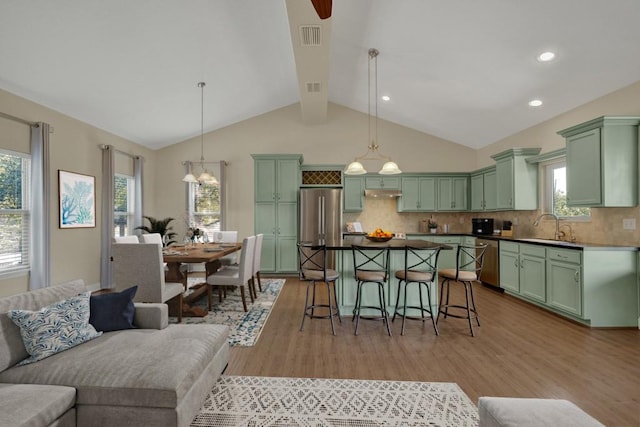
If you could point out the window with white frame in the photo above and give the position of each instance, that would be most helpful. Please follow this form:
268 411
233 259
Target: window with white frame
206 204
123 203
555 194
14 210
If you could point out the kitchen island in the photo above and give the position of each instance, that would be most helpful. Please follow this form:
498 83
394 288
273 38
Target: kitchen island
347 286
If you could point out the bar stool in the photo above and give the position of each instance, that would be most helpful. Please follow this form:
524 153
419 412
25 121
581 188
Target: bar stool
371 265
313 269
469 260
420 267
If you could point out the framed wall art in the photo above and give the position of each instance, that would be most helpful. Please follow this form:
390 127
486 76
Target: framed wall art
77 200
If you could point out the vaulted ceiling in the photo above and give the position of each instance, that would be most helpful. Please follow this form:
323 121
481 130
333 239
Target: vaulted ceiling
462 70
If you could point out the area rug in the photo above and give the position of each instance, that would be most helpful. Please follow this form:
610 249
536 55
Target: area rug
245 326
271 401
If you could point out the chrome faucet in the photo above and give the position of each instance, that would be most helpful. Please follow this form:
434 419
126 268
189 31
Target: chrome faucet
537 222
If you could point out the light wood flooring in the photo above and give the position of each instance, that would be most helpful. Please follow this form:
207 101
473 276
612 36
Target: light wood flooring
519 351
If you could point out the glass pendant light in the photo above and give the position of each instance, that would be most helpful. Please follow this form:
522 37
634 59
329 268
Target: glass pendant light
389 167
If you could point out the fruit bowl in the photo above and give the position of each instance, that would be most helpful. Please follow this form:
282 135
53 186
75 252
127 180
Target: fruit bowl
379 239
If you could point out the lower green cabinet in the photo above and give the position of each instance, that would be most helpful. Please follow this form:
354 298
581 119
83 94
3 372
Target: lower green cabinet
597 287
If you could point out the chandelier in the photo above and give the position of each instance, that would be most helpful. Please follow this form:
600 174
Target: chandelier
389 167
205 177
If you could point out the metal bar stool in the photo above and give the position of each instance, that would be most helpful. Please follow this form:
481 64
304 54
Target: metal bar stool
371 265
313 269
420 267
469 260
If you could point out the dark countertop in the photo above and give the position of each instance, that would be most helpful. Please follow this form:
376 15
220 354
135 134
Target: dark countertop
536 241
393 244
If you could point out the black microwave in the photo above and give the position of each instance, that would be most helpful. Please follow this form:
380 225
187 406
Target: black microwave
482 225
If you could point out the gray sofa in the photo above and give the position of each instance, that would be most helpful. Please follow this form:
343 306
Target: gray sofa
157 374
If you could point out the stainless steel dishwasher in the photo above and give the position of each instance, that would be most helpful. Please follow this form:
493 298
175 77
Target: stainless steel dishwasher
491 267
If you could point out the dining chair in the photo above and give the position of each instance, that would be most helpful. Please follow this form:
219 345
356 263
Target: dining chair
236 276
255 273
142 265
371 265
157 239
126 239
227 237
312 268
420 268
469 260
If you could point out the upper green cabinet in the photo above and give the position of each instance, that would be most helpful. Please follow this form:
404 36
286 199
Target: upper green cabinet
517 180
453 193
353 194
483 189
602 162
418 194
276 178
382 183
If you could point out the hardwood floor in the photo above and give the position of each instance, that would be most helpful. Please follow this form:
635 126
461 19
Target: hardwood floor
519 351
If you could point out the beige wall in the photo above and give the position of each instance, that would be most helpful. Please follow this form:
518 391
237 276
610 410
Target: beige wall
75 253
343 137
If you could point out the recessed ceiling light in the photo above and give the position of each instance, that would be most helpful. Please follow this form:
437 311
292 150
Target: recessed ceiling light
546 56
385 98
535 103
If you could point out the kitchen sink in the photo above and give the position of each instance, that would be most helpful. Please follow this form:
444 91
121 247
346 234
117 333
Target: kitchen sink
552 242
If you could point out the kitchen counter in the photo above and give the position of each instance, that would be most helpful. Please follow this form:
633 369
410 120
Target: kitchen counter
536 241
393 244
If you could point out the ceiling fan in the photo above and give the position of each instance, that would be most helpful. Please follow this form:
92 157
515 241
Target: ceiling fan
322 7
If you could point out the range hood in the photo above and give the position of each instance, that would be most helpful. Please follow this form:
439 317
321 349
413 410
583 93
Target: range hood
379 193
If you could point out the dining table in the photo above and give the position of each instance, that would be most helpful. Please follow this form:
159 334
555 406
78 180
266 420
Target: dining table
197 253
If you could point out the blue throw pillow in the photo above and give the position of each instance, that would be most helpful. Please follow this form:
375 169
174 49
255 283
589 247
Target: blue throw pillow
54 328
113 311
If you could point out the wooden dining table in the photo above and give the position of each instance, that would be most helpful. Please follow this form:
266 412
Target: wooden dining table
174 256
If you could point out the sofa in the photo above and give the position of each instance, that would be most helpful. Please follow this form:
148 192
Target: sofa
156 374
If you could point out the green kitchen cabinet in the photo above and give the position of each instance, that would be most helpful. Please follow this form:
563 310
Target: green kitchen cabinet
523 270
516 180
418 194
447 258
353 194
602 162
276 210
565 283
483 189
452 193
382 183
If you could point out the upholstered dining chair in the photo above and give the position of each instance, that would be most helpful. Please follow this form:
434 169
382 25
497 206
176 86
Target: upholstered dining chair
255 273
142 265
157 239
234 276
126 239
227 237
469 260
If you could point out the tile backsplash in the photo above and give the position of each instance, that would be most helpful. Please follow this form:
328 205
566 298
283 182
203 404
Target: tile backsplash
604 227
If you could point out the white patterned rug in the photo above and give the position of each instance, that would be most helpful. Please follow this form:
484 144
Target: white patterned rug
271 401
245 326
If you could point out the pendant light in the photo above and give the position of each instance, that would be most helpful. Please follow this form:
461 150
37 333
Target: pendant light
389 167
205 177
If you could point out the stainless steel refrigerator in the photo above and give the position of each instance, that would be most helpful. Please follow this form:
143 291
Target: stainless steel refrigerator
321 216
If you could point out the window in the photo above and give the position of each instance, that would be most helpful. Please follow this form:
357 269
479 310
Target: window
206 204
124 187
14 211
556 193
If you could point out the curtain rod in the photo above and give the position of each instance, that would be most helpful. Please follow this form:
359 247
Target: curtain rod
17 119
124 153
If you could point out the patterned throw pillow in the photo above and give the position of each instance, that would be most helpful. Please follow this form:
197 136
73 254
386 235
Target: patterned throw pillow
54 328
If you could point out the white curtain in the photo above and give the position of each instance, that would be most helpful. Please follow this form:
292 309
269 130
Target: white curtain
108 171
40 237
137 203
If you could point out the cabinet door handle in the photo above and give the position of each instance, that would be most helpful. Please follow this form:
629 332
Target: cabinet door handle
576 276
515 263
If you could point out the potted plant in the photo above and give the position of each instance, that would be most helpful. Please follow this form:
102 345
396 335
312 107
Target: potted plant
433 226
160 226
